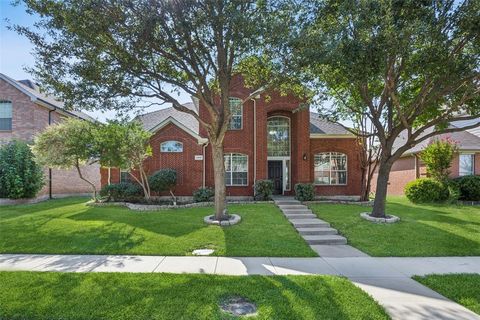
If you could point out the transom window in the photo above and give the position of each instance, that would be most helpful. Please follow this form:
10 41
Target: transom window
278 139
171 146
236 169
5 115
236 109
330 168
467 165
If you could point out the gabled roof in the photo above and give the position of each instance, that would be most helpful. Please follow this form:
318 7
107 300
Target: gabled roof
29 88
467 140
321 126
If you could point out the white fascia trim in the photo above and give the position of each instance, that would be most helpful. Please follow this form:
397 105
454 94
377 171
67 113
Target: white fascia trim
331 136
173 121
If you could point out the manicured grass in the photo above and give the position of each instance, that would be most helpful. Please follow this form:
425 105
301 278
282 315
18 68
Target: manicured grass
461 288
30 295
68 226
424 230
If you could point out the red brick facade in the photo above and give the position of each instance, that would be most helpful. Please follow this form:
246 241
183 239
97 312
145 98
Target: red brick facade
30 118
254 122
410 167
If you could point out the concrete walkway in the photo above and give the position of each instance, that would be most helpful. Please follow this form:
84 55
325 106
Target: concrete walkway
387 280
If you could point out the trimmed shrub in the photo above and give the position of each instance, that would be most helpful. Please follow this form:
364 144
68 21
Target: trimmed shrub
438 157
453 191
124 191
163 180
305 191
469 187
263 190
203 194
426 190
20 175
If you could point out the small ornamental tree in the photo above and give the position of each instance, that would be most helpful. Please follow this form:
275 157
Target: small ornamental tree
20 175
438 157
125 146
68 145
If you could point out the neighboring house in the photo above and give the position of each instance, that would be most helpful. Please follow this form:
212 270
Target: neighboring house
268 139
24 112
410 167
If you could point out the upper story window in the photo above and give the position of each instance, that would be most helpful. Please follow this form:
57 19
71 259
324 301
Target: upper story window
466 165
236 109
5 115
278 137
236 169
330 168
171 146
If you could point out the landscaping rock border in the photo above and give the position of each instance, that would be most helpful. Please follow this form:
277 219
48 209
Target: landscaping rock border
233 219
390 218
154 207
360 203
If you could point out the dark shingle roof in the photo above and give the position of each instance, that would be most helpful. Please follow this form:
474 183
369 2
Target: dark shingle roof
322 126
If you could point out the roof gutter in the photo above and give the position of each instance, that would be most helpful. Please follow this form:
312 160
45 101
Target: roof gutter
50 169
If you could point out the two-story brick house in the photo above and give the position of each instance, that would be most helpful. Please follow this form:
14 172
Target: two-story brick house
24 112
271 138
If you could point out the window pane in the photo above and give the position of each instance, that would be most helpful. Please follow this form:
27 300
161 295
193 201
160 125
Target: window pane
124 176
228 179
322 177
466 164
330 168
239 178
278 137
6 124
236 111
171 146
236 169
5 115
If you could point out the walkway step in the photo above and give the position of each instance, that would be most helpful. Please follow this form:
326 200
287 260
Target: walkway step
301 216
292 206
287 202
309 223
295 211
316 231
325 239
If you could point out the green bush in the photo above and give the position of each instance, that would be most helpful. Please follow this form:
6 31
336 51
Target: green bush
426 190
438 157
263 190
124 191
20 175
305 191
203 194
163 180
469 188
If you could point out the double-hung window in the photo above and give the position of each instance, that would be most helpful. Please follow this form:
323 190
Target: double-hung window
236 169
330 168
466 165
236 110
5 115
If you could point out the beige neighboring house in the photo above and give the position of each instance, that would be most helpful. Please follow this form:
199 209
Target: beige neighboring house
410 167
24 112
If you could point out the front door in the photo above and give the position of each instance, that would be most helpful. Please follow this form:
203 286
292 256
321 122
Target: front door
275 173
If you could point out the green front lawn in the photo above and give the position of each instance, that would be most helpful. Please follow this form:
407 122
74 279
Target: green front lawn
30 295
68 226
461 288
424 230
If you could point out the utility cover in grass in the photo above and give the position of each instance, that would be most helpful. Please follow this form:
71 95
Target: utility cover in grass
238 306
203 252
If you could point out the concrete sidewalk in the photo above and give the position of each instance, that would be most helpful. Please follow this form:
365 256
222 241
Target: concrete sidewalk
387 280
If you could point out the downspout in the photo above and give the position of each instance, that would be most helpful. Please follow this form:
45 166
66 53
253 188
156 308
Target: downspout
204 164
50 169
254 141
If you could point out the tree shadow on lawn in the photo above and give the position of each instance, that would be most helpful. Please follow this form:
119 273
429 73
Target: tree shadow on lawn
168 296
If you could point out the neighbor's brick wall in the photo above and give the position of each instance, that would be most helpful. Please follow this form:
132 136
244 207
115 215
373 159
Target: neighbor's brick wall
349 147
28 119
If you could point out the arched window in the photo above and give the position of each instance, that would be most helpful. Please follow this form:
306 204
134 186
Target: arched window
330 168
5 115
278 137
236 109
236 169
171 146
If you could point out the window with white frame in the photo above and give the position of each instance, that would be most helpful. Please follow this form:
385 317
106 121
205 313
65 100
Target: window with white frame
278 136
171 146
236 169
330 168
466 165
5 115
236 109
125 176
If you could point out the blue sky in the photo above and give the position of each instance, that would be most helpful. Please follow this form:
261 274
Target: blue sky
16 50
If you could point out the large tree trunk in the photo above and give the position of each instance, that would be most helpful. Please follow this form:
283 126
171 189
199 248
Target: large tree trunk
382 186
219 174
